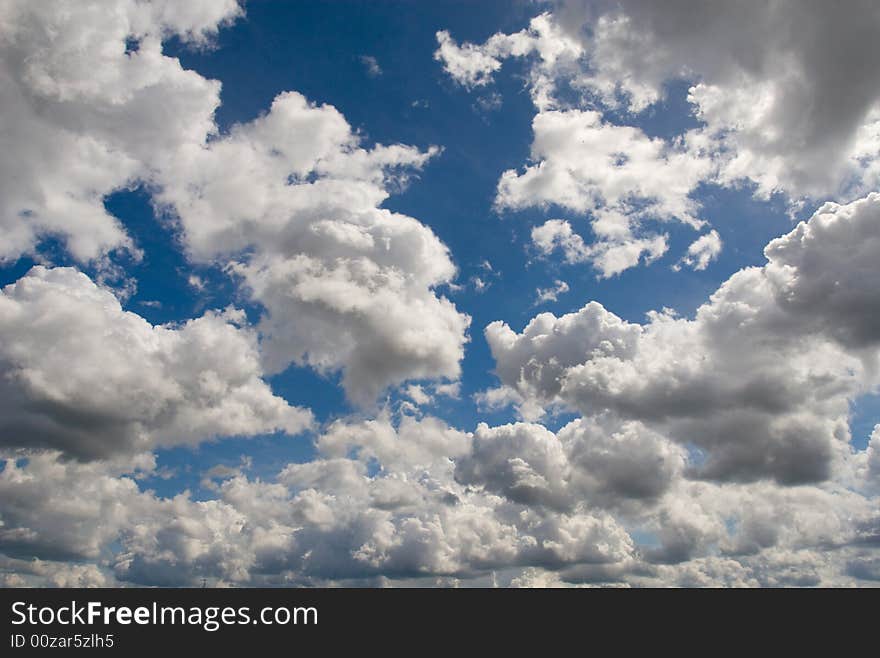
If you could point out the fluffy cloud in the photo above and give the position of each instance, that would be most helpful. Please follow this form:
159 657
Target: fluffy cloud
558 234
582 163
616 250
752 69
824 272
782 85
412 445
551 294
616 174
585 165
701 252
113 383
691 430
84 117
554 52
384 500
346 285
327 519
760 380
597 460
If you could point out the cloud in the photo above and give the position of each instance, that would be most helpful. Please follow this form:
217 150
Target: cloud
384 499
112 383
330 520
83 117
616 250
551 294
558 234
292 189
607 464
781 85
585 165
468 65
616 174
418 395
346 285
752 70
371 64
691 432
65 510
760 380
824 273
554 53
701 252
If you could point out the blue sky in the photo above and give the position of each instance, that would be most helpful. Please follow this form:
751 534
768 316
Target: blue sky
375 63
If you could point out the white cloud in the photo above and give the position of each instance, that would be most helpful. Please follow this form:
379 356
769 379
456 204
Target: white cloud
468 65
441 502
616 174
83 376
701 252
753 71
551 294
558 234
781 85
293 188
371 64
600 461
761 378
473 65
616 250
418 395
346 285
63 510
691 430
83 118
585 165
449 390
329 519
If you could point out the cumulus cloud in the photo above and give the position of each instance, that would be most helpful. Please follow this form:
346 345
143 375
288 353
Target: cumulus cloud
581 162
558 234
84 117
701 252
551 294
586 165
88 114
617 175
690 433
595 460
553 53
113 383
616 250
64 510
327 519
752 70
824 272
346 285
781 84
415 499
760 380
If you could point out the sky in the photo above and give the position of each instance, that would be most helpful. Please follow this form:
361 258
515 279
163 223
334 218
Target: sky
564 293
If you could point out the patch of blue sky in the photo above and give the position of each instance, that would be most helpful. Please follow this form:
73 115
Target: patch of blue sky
864 416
